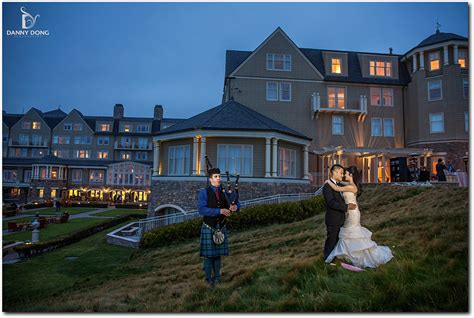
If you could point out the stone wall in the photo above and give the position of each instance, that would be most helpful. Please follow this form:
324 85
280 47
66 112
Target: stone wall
455 151
184 193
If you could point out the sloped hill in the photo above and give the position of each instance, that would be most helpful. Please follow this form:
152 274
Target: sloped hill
280 267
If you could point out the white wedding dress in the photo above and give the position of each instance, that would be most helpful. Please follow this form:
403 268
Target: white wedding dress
355 242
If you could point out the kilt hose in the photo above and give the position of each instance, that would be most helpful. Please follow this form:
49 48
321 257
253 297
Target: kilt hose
208 248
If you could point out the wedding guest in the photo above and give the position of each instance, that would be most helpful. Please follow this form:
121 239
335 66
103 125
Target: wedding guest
440 167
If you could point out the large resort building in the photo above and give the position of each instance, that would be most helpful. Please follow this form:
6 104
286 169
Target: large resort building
287 114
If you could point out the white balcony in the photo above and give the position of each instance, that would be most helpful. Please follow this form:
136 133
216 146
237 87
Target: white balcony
356 106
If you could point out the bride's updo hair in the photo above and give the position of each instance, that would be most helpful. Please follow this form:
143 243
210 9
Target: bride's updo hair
356 177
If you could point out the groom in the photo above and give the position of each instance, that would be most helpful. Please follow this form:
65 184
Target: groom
336 209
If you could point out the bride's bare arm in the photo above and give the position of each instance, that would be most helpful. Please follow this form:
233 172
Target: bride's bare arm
346 188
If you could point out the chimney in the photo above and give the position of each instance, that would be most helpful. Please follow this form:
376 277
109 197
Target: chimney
158 112
391 50
118 111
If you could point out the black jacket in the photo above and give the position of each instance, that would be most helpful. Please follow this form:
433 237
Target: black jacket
336 208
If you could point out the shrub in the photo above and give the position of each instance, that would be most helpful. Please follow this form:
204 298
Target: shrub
247 218
37 205
134 205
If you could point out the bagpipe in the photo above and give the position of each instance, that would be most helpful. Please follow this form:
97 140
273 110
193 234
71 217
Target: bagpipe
231 193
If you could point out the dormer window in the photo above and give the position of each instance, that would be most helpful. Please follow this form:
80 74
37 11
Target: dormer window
462 58
104 127
380 68
127 128
434 61
36 125
278 62
336 65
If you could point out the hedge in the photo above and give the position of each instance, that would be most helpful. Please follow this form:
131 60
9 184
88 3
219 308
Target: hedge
37 205
247 218
28 250
143 206
87 204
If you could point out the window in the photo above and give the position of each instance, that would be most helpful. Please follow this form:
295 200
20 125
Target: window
36 125
77 175
143 143
82 154
436 123
129 173
54 173
103 140
278 62
61 153
143 128
77 126
10 176
62 140
125 155
466 121
336 65
42 173
237 159
380 68
35 152
26 125
5 137
388 127
37 140
462 55
279 91
102 155
337 125
23 139
96 176
336 97
435 90
40 193
141 155
19 152
67 126
27 176
381 96
127 127
82 140
287 163
376 127
465 88
104 127
434 61
178 160
126 142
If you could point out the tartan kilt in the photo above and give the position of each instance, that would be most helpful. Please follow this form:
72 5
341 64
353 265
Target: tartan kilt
208 248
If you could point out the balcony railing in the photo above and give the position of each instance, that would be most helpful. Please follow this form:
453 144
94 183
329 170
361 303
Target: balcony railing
357 106
132 146
16 143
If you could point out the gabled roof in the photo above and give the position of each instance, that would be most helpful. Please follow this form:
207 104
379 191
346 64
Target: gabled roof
55 113
231 116
11 119
315 56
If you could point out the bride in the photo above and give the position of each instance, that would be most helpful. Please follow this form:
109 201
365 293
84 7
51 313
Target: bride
355 242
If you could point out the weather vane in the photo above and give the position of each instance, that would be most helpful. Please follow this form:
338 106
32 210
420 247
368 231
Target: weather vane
437 26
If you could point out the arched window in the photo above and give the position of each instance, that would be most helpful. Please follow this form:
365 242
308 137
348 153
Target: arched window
129 173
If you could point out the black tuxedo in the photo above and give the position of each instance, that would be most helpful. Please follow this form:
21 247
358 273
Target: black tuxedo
335 216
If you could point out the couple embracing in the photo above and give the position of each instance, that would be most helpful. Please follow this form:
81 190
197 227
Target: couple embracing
346 238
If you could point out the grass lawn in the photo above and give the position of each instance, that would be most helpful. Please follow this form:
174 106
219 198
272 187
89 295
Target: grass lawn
120 212
56 230
277 268
52 211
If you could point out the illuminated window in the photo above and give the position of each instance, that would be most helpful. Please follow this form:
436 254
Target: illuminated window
380 68
40 193
336 97
125 155
54 173
61 153
96 176
287 163
435 90
82 154
36 125
104 127
437 123
129 173
462 55
337 125
336 65
278 62
127 128
53 193
434 61
102 154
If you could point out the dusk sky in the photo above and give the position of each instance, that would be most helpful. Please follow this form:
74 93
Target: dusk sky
173 54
